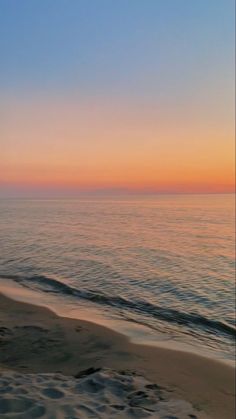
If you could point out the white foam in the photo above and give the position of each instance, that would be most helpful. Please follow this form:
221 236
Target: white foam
102 394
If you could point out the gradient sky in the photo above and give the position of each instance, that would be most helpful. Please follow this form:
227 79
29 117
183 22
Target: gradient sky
134 95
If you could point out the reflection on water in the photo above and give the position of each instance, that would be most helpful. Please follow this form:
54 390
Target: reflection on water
166 262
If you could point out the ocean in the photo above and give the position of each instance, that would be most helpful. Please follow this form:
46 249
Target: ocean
158 268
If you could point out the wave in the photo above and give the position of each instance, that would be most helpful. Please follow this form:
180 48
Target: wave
170 315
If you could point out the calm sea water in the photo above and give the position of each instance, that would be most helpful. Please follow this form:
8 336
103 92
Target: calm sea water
163 262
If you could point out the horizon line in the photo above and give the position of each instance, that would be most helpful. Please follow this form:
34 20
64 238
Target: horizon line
111 195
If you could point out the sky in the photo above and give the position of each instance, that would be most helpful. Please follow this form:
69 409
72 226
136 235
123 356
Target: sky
105 95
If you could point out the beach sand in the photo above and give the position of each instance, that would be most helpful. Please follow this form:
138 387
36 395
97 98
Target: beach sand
55 367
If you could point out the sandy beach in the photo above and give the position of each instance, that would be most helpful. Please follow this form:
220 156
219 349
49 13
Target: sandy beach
57 367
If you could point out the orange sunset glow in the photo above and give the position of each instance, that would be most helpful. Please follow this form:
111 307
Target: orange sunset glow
81 144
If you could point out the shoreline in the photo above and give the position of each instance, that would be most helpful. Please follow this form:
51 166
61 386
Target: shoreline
138 333
36 340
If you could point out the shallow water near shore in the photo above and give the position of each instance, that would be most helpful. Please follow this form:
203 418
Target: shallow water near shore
157 268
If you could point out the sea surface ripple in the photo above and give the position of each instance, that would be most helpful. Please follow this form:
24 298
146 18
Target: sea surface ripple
165 261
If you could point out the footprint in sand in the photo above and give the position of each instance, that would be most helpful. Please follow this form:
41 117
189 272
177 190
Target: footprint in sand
15 405
53 393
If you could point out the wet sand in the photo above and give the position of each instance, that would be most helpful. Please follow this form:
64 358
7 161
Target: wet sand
104 369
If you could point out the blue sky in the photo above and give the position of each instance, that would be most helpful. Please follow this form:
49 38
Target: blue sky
107 46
